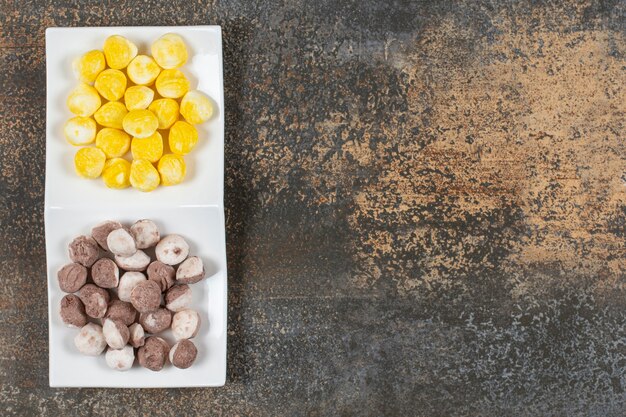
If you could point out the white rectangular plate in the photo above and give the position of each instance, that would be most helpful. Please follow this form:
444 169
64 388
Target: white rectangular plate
193 209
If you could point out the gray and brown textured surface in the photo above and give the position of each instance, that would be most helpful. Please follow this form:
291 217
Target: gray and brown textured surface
426 208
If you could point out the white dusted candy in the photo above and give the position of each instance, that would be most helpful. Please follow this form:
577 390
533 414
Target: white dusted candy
146 233
138 261
137 335
185 324
121 243
120 359
115 333
127 283
172 250
90 340
190 271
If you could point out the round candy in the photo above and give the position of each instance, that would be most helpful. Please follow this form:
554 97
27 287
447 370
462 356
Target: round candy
137 262
84 250
172 250
105 273
146 233
120 359
113 142
143 175
87 67
128 282
90 340
182 138
122 311
153 353
172 169
116 173
101 231
83 100
143 70
89 162
156 321
172 83
162 274
196 107
138 97
115 333
95 299
121 243
166 110
185 324
178 298
111 84
72 311
150 148
111 114
183 354
137 335
169 51
146 296
190 271
80 131
119 51
72 277
140 123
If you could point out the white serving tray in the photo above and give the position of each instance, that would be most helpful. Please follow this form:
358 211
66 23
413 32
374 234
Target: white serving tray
193 209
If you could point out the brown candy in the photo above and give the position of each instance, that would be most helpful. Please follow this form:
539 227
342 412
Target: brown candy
183 354
153 353
73 311
105 273
190 271
146 296
146 233
178 298
162 274
95 299
72 277
115 333
156 321
84 250
101 231
122 311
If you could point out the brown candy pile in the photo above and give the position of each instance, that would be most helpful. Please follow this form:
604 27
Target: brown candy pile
125 298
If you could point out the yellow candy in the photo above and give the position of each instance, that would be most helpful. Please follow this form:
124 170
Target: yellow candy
142 70
111 84
172 169
140 123
113 142
150 148
166 110
116 173
169 51
83 100
138 97
196 107
143 175
119 51
87 67
183 137
172 83
89 162
111 114
80 130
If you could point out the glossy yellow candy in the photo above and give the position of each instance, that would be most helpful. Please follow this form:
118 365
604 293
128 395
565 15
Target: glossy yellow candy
119 51
111 84
80 130
111 114
89 162
140 123
169 51
172 169
113 142
83 100
87 67
116 173
138 97
183 138
142 70
172 83
166 110
143 175
196 107
150 148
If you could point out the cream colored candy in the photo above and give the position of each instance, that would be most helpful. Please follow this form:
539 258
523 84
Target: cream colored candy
111 84
87 66
120 359
143 70
127 284
115 333
138 261
111 114
166 110
140 123
113 142
172 83
80 131
150 148
83 100
172 250
185 324
146 233
90 340
116 173
143 175
182 138
137 335
196 107
121 243
89 162
138 97
119 51
169 51
190 271
172 169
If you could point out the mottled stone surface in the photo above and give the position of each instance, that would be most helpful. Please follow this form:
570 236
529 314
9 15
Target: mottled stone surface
426 208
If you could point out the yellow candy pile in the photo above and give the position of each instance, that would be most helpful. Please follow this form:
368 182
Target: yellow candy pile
127 103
